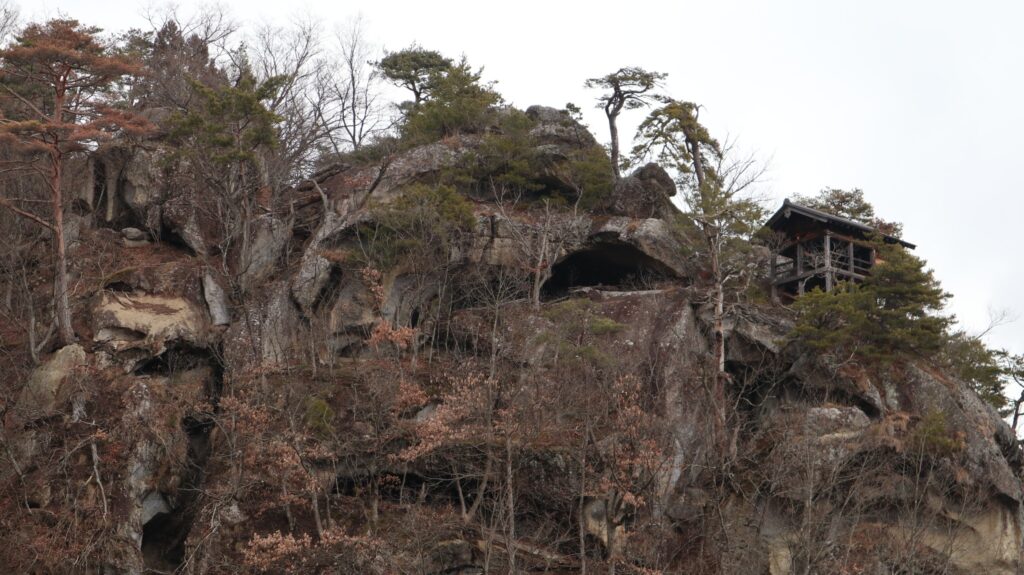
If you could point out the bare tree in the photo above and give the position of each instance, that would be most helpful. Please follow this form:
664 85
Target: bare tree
356 87
296 54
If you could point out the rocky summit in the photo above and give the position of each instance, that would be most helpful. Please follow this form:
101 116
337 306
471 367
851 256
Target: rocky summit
462 346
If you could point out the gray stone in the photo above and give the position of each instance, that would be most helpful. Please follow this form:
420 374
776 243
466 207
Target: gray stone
646 193
180 217
134 234
44 390
141 180
152 505
216 300
266 332
269 237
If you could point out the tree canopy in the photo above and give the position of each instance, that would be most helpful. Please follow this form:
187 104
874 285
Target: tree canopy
416 69
626 88
852 205
896 310
459 102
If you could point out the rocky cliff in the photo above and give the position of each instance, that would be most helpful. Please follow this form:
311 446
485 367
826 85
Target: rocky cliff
308 401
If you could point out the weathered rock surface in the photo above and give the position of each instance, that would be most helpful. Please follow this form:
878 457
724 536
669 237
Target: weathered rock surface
216 300
136 326
45 389
269 237
646 193
557 133
831 459
266 332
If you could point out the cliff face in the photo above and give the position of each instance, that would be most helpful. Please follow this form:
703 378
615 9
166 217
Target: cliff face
288 406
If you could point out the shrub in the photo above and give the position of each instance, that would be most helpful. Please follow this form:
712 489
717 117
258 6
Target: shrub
979 366
458 103
419 229
319 417
590 171
933 436
506 158
601 325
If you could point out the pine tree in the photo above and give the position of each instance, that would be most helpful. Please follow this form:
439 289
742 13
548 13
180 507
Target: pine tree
54 80
629 89
895 311
415 69
459 103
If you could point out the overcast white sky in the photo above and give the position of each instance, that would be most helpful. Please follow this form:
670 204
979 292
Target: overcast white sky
919 103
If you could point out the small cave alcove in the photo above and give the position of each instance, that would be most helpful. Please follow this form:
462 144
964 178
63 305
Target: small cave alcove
163 542
616 265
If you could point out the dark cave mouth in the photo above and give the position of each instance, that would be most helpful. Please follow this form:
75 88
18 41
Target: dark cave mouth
616 265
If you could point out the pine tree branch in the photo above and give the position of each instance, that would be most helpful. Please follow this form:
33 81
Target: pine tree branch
5 203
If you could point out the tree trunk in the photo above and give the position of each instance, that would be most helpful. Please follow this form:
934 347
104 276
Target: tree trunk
582 512
65 333
542 270
613 130
713 241
511 502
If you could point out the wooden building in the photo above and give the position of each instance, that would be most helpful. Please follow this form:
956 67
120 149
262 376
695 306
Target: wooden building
816 249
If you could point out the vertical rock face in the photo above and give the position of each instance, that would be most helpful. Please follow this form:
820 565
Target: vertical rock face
270 235
216 300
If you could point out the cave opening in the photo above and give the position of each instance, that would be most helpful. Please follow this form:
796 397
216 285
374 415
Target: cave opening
163 542
616 265
177 358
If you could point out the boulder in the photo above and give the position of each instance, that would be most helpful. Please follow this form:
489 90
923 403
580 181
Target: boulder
44 391
180 217
557 133
141 180
134 234
134 238
136 326
655 179
645 193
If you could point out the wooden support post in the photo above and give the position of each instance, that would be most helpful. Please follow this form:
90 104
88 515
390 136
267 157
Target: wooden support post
772 264
799 258
849 251
828 261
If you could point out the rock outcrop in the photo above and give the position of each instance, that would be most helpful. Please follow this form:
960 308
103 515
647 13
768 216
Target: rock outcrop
225 404
137 327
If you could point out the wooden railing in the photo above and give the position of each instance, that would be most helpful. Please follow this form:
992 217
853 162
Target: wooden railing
785 269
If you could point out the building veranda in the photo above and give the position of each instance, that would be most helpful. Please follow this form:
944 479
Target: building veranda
815 249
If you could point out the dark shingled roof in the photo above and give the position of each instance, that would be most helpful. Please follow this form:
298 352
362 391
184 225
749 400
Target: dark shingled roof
789 208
